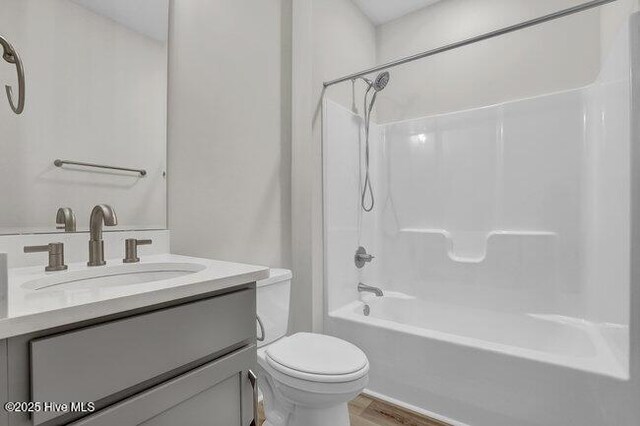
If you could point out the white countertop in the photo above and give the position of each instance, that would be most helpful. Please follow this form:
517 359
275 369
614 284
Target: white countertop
30 309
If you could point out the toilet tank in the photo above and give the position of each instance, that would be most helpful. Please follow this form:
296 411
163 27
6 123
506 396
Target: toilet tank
273 305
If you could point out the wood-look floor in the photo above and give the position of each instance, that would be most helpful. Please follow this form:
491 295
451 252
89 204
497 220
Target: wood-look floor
367 411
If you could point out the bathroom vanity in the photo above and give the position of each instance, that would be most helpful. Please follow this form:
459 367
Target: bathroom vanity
167 341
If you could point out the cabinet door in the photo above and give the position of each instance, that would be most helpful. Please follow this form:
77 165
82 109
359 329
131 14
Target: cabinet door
216 394
4 383
217 406
93 363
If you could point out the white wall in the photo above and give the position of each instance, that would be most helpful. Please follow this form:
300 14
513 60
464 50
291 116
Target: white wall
554 56
343 39
216 172
229 143
612 17
607 166
95 91
346 227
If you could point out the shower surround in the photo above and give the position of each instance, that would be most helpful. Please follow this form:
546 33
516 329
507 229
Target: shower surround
504 245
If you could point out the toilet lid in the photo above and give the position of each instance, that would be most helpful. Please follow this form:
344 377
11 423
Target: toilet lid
317 354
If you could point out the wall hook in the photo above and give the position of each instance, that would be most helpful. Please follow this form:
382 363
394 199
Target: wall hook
10 55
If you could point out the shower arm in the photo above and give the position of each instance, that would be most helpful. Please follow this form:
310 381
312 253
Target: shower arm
10 55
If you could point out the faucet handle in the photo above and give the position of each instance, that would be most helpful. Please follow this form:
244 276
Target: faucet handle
56 255
131 249
361 257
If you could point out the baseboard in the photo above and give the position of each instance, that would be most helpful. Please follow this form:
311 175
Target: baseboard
413 408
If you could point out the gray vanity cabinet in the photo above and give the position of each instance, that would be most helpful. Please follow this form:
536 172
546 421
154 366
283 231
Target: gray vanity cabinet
183 363
4 397
216 394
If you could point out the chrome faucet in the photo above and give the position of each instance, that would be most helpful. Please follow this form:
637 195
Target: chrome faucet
66 219
100 214
363 288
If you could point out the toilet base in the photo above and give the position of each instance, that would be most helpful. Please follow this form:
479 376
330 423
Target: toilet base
286 406
304 416
334 416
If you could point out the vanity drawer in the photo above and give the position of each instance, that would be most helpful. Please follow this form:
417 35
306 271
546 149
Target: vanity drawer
95 362
217 394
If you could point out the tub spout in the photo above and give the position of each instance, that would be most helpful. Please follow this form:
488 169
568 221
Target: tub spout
362 288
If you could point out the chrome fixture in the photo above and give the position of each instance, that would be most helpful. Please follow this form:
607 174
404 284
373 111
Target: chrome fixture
363 288
66 219
56 255
486 36
253 379
361 257
366 310
60 163
131 249
11 55
380 81
100 214
261 336
378 84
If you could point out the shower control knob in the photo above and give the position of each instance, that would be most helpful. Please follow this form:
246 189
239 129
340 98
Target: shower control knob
362 257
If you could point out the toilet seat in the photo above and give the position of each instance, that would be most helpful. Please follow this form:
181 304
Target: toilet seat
317 358
307 379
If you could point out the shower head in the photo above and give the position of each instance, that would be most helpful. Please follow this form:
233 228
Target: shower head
381 81
378 84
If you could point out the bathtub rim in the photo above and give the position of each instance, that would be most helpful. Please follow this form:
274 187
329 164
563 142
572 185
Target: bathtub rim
612 369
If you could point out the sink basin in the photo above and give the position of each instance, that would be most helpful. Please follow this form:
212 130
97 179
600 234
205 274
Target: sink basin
112 276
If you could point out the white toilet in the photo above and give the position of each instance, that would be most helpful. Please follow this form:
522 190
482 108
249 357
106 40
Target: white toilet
306 379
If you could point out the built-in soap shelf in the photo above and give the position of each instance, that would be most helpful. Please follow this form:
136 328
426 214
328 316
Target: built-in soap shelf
476 246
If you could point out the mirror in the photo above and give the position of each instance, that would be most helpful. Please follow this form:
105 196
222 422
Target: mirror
95 92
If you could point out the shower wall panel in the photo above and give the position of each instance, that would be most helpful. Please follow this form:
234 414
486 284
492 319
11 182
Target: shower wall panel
519 206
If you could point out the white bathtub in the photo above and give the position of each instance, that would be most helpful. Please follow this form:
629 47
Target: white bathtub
563 341
471 366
